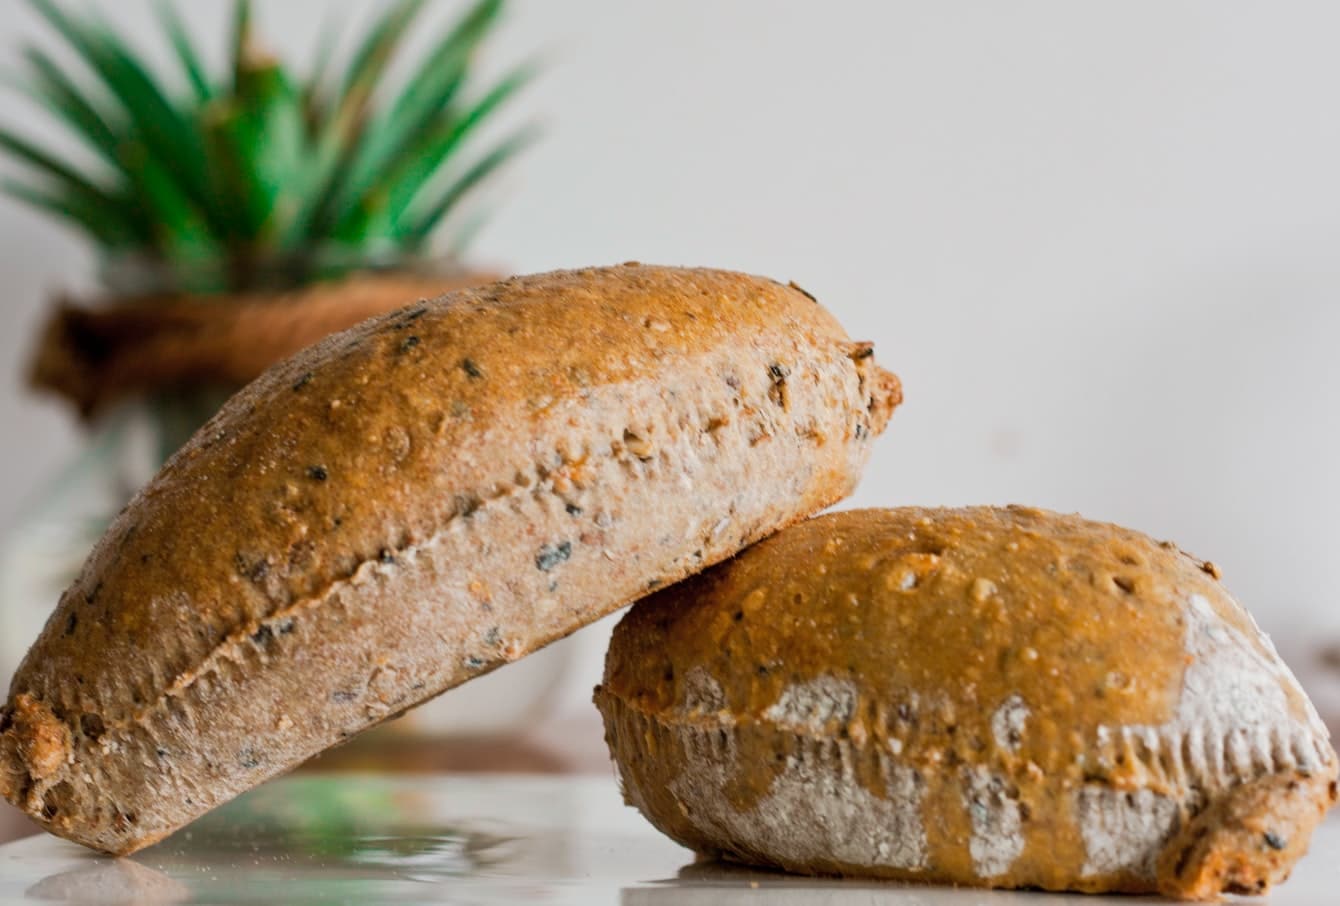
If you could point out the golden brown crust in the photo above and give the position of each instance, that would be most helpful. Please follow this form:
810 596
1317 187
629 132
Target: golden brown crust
1027 699
1248 839
416 501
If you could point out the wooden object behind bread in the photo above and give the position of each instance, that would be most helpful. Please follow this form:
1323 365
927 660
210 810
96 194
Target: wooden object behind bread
97 355
1001 697
412 503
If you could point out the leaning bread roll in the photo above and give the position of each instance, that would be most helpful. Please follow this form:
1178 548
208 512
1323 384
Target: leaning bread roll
1001 697
412 503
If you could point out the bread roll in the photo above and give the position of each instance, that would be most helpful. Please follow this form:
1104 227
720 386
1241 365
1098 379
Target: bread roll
412 503
998 697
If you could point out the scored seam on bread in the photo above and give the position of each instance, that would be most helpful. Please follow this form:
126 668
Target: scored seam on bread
229 650
356 575
1166 754
226 662
709 739
881 398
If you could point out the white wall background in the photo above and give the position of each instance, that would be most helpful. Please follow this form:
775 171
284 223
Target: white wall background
1099 241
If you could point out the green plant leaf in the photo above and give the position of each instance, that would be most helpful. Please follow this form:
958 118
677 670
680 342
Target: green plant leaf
315 91
428 90
56 169
257 147
163 218
439 71
102 224
375 53
385 204
165 132
255 172
242 42
186 53
463 235
337 143
422 224
254 138
53 88
180 232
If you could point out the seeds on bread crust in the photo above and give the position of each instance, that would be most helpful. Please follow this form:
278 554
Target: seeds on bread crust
1000 697
416 501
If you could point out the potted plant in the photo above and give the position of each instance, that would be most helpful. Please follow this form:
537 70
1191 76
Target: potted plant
238 216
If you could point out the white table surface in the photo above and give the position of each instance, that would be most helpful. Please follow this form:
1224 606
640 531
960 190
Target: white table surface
475 840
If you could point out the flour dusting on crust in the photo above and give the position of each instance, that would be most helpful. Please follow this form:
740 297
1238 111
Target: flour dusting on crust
816 807
811 705
816 810
1233 721
1007 723
1228 683
1106 720
997 829
1123 832
702 693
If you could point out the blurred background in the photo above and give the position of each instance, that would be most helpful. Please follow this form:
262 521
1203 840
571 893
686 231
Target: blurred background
1097 241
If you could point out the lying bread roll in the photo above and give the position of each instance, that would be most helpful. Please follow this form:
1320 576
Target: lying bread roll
412 503
999 697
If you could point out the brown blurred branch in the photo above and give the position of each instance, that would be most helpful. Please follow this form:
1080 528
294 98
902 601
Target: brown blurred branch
93 356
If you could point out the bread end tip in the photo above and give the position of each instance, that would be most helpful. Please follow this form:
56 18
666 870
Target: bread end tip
882 388
34 746
886 394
